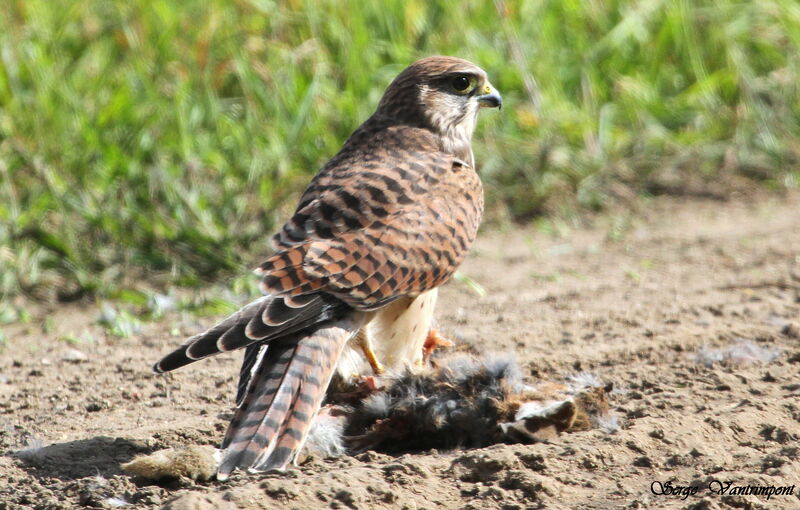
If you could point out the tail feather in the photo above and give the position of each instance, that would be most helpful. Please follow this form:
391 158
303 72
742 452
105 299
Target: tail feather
253 356
264 319
285 393
249 424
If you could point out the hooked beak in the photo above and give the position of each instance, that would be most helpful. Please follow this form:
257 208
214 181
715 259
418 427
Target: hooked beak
490 97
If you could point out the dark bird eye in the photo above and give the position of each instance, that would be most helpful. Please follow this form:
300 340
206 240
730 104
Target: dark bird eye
460 83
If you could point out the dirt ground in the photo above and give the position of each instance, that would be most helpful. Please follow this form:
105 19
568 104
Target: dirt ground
690 308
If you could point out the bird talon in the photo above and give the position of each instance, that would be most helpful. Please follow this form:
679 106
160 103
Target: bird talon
433 342
371 383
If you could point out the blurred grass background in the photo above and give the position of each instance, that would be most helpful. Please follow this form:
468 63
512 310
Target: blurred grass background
165 140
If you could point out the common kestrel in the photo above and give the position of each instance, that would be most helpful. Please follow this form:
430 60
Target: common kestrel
356 269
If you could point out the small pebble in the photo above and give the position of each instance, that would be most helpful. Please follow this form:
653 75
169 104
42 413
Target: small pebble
74 356
792 330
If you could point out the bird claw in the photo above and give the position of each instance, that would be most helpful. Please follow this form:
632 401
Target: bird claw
433 342
370 383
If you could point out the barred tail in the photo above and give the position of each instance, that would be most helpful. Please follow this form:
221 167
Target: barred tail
283 396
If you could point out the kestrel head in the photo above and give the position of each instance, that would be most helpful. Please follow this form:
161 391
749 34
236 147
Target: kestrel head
443 94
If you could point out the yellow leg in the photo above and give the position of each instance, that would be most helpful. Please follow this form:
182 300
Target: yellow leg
363 342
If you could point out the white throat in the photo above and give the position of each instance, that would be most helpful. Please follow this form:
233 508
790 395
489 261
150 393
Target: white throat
450 120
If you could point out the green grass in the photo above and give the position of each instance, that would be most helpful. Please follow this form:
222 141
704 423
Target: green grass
164 140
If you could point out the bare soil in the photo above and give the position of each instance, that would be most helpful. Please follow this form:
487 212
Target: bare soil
691 309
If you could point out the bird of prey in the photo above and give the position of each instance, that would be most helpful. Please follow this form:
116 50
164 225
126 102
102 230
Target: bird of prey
356 269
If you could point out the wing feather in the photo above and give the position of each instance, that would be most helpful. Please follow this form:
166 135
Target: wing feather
373 230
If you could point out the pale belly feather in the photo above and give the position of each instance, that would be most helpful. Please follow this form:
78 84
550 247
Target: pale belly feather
396 334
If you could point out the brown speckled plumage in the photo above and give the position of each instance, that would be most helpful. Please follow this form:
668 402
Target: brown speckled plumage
391 216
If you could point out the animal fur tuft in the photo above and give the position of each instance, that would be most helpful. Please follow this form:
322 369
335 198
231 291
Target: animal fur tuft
470 402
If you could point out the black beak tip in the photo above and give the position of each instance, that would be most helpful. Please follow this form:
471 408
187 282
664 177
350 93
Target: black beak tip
492 101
